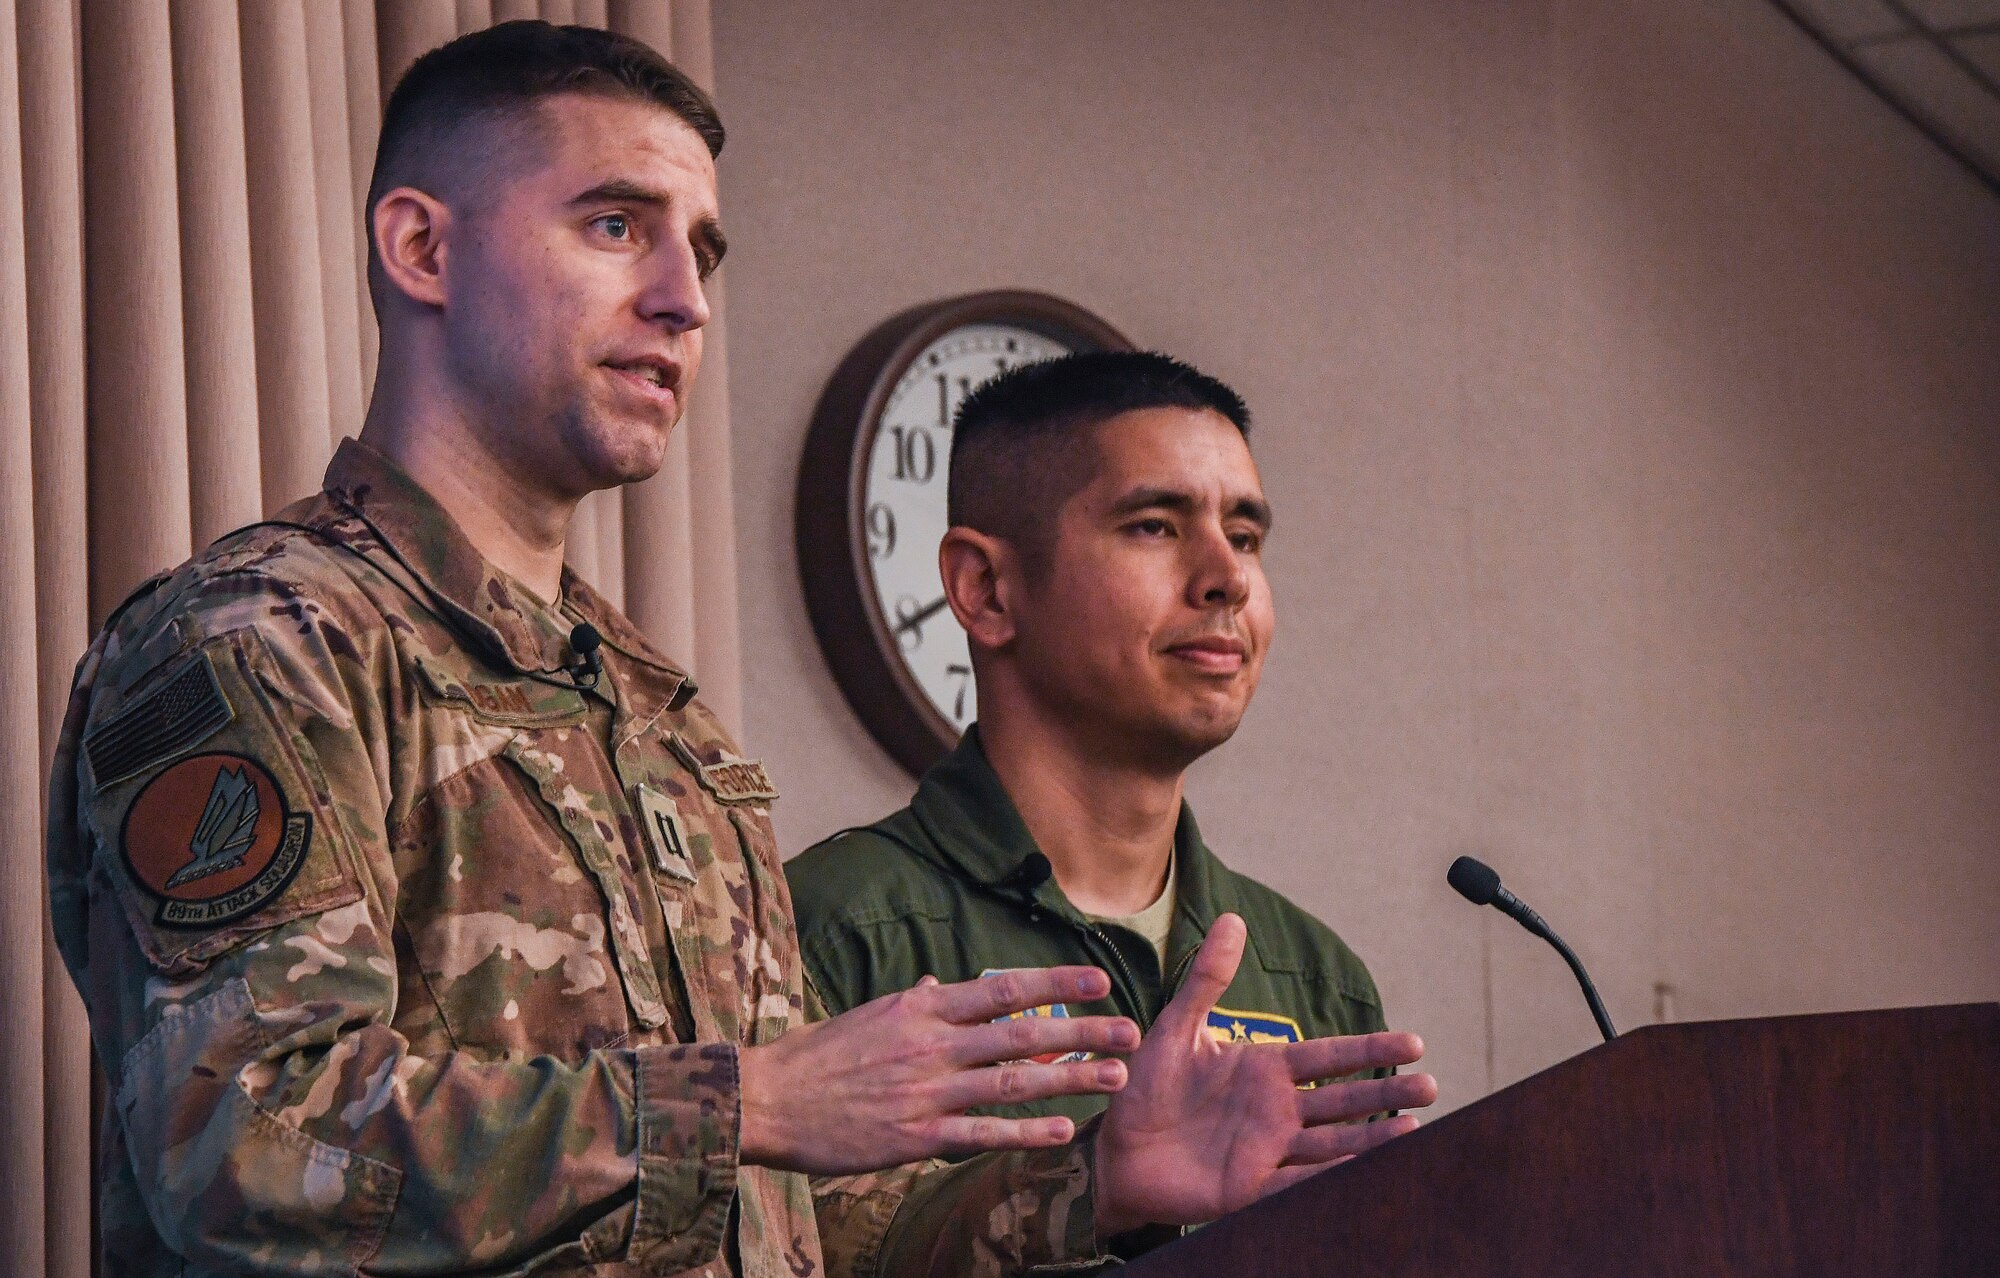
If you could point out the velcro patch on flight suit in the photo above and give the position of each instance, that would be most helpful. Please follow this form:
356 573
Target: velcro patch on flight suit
186 709
212 840
1056 1011
1228 1026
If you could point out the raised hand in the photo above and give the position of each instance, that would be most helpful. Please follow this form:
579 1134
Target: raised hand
1204 1128
890 1081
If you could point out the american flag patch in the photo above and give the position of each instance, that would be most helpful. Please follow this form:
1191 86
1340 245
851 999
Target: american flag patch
187 708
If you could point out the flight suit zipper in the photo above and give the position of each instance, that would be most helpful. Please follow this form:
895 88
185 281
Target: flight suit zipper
1168 989
1131 982
1173 985
1131 987
1103 939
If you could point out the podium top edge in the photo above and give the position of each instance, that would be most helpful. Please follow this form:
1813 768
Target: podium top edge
1952 1011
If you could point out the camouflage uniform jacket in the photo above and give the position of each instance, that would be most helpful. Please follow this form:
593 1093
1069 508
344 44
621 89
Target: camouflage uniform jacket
405 953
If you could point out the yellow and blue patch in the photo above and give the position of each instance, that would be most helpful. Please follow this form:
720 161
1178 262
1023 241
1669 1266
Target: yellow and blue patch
1226 1025
1058 1011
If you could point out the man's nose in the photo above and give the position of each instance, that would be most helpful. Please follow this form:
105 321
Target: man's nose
1220 578
675 295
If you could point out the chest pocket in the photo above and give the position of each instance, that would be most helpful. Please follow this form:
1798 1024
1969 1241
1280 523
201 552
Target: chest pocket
521 884
715 864
591 826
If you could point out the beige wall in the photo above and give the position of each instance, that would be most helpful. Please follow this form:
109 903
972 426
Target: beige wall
1628 387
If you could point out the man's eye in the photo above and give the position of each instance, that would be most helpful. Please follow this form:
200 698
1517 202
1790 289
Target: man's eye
616 225
1247 542
1152 527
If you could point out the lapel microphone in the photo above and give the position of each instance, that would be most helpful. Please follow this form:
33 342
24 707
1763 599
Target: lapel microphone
1477 882
1033 871
583 642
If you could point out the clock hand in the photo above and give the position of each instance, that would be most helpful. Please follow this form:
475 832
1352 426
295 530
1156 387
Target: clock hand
919 617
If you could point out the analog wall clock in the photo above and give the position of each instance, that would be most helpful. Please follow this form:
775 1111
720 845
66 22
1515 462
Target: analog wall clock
871 504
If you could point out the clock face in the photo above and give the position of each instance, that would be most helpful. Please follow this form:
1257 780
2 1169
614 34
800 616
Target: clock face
904 496
871 503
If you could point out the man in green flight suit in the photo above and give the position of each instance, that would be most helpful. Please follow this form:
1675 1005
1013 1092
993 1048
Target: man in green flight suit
1104 559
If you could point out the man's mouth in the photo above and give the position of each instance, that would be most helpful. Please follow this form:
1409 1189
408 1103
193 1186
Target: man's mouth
652 378
1214 654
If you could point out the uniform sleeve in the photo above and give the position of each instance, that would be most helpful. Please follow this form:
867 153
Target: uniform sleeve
243 980
998 1214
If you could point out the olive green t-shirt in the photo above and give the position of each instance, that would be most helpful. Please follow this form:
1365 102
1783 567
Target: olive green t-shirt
953 887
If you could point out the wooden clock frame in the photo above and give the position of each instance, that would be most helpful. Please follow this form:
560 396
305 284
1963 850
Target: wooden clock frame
830 510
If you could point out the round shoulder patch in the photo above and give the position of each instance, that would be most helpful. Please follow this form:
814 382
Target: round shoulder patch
211 838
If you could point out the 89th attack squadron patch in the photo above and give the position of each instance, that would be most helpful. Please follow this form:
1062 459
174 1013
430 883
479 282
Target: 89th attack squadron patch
211 838
1058 1011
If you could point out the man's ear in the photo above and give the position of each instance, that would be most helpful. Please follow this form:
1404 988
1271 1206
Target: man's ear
979 572
410 229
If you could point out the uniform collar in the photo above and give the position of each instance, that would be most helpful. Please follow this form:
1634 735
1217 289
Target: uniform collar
504 618
975 827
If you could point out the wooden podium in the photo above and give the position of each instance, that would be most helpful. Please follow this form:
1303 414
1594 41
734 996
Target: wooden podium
1863 1143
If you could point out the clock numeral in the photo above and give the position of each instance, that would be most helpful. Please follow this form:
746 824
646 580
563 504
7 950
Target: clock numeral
881 531
916 454
910 619
963 674
949 398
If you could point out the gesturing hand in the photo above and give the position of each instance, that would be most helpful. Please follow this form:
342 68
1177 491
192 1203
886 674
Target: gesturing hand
1204 1128
890 1081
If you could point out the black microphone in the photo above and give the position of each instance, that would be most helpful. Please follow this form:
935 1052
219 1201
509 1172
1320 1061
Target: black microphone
1033 871
584 641
1477 883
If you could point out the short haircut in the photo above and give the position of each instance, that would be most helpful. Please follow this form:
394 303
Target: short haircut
1019 443
475 97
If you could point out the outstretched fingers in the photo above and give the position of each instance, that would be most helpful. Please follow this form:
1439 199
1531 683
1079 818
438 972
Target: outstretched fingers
1318 1058
1025 1037
1018 990
1334 1141
966 1134
1343 1102
1021 1081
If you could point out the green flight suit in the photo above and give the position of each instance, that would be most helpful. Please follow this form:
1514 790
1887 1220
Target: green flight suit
953 886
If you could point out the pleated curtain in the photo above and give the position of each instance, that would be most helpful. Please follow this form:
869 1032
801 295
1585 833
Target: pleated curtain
184 336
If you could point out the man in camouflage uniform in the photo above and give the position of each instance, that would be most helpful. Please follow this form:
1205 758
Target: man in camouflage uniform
430 926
